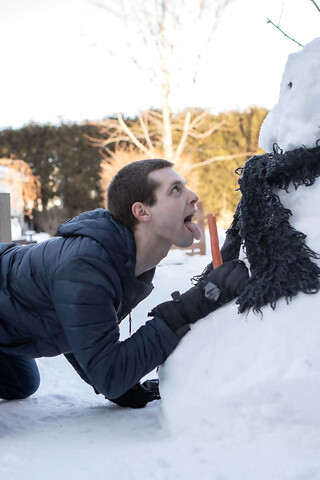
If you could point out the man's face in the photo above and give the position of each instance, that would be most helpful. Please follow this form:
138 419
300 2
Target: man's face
174 207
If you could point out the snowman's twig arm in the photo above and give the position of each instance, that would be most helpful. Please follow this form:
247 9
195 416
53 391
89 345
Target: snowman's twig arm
290 38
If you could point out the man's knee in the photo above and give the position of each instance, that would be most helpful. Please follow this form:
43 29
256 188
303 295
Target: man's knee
29 386
19 377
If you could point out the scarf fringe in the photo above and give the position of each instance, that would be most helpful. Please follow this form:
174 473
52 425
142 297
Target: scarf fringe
280 260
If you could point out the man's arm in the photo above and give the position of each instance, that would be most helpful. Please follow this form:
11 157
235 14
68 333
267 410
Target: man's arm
73 361
83 295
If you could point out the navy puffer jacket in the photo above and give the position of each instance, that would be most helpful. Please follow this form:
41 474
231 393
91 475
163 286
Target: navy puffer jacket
68 295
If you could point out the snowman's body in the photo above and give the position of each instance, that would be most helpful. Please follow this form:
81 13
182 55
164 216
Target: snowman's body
237 376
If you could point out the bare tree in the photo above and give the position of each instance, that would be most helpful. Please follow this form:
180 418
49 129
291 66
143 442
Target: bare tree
166 40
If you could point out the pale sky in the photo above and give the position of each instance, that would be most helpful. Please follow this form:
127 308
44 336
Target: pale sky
56 61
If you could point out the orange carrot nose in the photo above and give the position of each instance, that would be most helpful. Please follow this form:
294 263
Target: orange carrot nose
214 240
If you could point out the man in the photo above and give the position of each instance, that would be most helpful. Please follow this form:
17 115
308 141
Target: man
68 295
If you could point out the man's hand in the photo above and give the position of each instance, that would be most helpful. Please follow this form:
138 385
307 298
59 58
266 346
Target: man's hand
211 292
139 395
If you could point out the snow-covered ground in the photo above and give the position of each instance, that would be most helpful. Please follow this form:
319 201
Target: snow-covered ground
18 233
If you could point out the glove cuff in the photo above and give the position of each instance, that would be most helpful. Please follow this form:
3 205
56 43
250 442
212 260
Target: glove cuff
171 314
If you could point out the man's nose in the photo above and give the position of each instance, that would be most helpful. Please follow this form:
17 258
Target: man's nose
193 197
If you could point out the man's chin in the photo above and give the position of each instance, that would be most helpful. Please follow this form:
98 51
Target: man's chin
184 243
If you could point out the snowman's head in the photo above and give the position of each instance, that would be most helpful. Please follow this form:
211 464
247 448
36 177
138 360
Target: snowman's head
295 120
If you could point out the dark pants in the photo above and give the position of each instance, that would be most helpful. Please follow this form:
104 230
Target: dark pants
19 376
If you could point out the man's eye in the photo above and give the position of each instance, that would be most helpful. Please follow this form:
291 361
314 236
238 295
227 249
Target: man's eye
175 189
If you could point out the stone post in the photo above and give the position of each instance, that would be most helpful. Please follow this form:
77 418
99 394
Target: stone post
5 218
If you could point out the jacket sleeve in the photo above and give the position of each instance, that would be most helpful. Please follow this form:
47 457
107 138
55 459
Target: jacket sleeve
83 295
73 361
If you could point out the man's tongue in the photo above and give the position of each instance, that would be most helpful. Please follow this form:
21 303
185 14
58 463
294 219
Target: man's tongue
194 229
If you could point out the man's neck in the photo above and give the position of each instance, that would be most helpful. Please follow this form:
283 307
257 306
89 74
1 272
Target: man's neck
149 251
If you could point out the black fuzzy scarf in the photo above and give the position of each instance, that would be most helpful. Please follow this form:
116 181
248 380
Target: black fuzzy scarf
280 260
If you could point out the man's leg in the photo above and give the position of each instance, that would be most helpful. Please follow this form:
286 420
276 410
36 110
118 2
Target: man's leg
19 376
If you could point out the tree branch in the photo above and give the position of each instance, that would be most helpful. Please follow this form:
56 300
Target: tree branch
278 28
220 158
96 142
145 130
208 132
133 138
184 136
314 3
198 119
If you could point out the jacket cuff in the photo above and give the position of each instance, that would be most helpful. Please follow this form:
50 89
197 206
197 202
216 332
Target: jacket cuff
182 331
178 328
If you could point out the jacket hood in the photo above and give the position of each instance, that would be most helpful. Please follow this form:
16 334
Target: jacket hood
99 224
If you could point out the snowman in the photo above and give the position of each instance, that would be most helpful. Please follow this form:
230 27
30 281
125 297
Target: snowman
251 370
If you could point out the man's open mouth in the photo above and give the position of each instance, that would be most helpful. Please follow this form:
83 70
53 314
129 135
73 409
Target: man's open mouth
188 218
193 227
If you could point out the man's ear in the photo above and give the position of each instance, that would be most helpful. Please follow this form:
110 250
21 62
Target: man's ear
141 212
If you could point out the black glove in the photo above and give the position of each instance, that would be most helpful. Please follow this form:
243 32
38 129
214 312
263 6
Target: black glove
139 395
211 292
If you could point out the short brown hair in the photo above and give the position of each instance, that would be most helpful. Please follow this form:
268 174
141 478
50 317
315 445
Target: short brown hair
131 184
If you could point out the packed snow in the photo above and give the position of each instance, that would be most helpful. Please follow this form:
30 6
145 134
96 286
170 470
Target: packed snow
240 394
